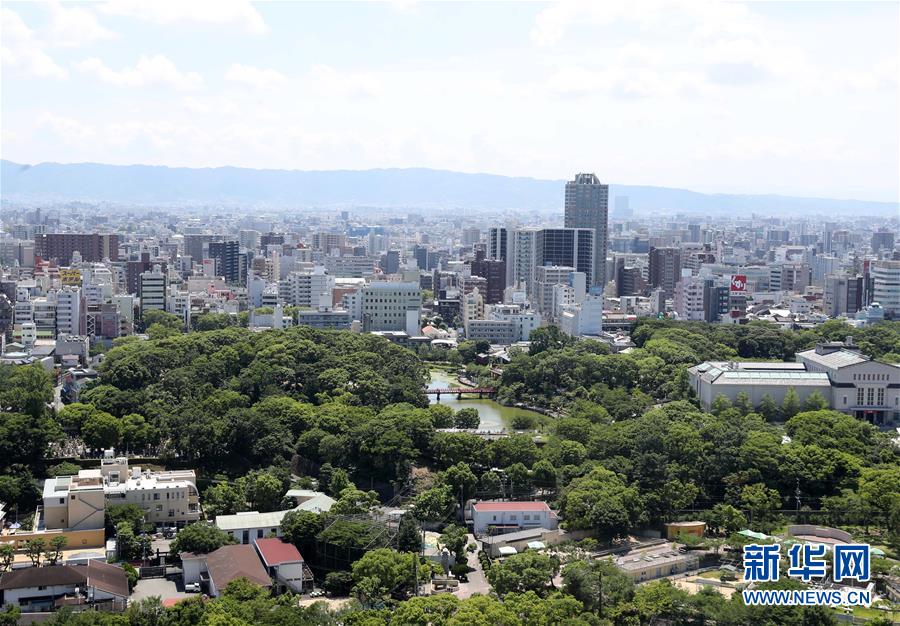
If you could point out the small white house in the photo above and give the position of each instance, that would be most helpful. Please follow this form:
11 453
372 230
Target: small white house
284 565
494 517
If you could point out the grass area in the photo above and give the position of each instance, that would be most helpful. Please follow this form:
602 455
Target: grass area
713 574
870 613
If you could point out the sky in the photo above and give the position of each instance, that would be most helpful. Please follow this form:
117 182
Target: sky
797 98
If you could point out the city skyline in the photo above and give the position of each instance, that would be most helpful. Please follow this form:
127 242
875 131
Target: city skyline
716 97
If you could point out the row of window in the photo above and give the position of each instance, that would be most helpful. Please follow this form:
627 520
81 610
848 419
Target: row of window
871 377
865 396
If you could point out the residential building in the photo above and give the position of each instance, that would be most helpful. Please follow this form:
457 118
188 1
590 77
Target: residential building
71 311
93 247
587 206
228 261
40 589
285 565
218 568
168 498
656 562
311 287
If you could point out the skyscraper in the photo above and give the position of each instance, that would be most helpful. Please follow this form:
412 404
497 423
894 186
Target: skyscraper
587 206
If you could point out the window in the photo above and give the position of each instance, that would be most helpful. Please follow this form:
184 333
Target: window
259 534
62 500
159 508
860 395
512 518
156 496
171 512
845 400
526 517
871 396
881 396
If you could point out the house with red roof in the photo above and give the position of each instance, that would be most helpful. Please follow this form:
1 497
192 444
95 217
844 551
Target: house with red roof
495 517
284 565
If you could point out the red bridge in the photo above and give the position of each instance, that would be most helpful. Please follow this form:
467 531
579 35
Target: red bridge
459 391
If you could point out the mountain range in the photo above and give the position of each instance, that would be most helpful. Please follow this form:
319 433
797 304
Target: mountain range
401 188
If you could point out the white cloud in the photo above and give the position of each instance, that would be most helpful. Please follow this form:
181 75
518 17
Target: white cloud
240 12
72 26
21 51
69 130
150 70
256 77
326 80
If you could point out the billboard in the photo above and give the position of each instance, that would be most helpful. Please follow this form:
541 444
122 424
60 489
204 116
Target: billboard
738 283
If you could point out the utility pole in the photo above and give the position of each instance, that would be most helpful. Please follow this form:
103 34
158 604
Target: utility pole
797 495
599 590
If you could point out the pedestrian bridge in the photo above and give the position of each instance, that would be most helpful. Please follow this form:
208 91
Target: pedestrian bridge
459 391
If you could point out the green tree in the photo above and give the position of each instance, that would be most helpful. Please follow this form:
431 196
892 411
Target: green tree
720 404
338 482
742 403
767 407
382 572
137 434
724 518
101 431
790 406
454 538
53 551
762 502
338 583
815 402
461 480
467 418
582 580
7 554
528 571
353 501
223 499
199 538
130 513
301 527
434 504
601 501
409 539
264 491
10 615
34 549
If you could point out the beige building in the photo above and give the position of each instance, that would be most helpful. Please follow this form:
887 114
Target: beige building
79 502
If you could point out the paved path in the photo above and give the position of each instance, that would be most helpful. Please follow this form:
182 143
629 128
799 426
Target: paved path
477 582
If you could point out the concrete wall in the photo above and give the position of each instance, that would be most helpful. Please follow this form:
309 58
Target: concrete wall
76 538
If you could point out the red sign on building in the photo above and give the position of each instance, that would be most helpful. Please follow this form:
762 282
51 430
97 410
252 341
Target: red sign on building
738 282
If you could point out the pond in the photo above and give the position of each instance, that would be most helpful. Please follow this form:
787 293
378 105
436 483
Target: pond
494 416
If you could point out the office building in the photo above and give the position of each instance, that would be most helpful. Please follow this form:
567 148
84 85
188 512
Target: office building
665 269
843 295
882 239
572 247
153 287
391 306
71 312
308 288
587 206
494 273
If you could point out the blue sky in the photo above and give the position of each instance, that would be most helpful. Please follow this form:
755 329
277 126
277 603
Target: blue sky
795 97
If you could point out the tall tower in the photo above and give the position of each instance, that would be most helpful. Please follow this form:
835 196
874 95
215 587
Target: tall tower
587 206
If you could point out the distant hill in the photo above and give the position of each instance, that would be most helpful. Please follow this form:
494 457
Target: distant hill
415 187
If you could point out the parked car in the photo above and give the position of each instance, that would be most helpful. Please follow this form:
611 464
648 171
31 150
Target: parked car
192 588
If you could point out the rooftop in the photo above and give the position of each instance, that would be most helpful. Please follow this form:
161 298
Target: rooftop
274 551
236 561
491 505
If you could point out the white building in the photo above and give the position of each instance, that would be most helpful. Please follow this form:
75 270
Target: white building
79 502
71 311
309 288
583 319
492 517
153 290
391 306
849 381
886 287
